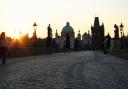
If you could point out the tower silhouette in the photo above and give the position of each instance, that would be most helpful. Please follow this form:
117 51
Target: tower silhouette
56 34
97 34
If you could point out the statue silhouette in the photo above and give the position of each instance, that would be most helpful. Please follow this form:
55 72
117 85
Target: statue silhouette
116 32
49 31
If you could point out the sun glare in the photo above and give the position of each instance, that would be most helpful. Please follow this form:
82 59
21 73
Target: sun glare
15 34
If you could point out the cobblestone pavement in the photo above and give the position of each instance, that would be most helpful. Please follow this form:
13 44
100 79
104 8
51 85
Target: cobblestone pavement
73 70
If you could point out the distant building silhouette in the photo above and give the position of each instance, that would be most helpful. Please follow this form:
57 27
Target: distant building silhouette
86 40
56 34
77 44
79 35
67 30
97 34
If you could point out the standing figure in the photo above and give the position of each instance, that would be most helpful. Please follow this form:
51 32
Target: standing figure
67 41
108 43
116 31
3 47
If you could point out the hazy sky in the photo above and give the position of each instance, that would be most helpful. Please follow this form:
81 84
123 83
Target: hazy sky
19 15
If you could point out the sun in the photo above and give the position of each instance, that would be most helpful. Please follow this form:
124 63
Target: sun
15 34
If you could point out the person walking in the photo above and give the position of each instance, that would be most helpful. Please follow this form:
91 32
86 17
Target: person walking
3 47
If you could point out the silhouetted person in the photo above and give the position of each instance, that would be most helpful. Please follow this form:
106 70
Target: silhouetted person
3 47
67 41
76 44
108 41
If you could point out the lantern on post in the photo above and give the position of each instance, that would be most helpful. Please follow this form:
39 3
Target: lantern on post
35 28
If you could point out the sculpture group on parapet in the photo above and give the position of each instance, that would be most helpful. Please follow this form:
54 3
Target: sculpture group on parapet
67 40
97 39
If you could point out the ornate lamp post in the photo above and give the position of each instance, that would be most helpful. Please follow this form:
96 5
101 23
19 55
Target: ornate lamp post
34 37
35 28
121 29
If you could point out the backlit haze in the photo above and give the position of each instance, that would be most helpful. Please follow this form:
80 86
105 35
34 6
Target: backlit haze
19 15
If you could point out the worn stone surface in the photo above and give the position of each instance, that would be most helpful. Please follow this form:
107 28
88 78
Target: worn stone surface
73 70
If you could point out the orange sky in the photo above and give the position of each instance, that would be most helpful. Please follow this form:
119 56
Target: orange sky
19 15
